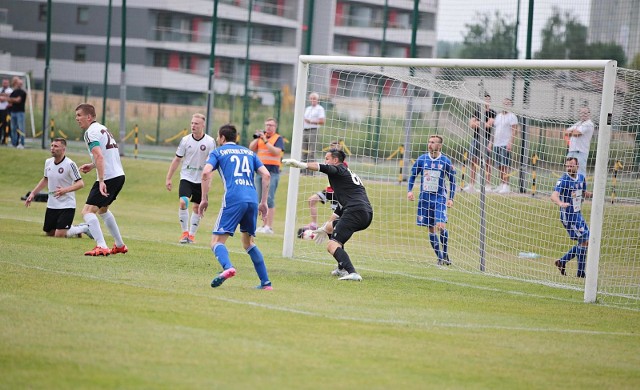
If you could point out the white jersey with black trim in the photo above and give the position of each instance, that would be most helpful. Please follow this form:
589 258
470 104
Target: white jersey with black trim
98 136
61 175
194 154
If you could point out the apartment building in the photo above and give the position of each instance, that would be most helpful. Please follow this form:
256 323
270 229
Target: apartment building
168 43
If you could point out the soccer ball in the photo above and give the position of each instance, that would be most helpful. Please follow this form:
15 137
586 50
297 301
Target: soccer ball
308 235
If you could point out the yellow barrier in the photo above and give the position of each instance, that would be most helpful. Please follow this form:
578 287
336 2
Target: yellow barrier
618 165
179 135
534 162
135 142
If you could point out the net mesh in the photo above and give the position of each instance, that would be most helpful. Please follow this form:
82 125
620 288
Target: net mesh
383 117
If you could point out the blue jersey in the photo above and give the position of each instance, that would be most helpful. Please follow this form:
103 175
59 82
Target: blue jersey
433 172
236 166
571 191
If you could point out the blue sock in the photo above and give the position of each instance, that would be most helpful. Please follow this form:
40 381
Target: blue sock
222 254
444 240
433 237
569 255
582 259
258 264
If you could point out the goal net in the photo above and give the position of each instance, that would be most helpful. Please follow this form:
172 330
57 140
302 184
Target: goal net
29 119
382 111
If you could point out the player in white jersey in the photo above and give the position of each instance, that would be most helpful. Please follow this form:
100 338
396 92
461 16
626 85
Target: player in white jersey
193 151
62 178
105 158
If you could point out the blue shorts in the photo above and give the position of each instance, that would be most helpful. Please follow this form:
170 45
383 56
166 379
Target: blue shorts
576 226
501 156
245 214
432 211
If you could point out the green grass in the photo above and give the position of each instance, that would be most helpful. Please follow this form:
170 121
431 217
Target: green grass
149 319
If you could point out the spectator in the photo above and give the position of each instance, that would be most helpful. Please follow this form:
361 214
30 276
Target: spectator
62 178
476 150
434 167
193 151
580 139
5 92
506 125
105 157
313 117
17 100
236 166
269 146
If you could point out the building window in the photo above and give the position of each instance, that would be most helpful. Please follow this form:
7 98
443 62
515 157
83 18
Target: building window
41 50
80 53
42 12
82 15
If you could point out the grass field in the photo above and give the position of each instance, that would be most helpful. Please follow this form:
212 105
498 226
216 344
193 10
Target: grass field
149 319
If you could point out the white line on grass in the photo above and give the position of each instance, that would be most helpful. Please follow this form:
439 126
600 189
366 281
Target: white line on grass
434 324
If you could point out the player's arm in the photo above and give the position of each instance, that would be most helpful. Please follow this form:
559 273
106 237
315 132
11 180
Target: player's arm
412 181
290 162
205 185
555 198
451 176
41 184
172 169
77 185
266 180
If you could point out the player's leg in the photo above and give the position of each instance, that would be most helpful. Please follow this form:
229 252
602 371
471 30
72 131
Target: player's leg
90 217
184 194
440 217
349 223
50 222
225 225
64 222
113 188
433 234
248 228
313 209
194 221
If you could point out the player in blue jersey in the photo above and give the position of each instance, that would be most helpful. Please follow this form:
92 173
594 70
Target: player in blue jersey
568 194
434 167
236 166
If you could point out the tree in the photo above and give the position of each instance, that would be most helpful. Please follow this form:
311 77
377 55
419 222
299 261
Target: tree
635 63
563 37
607 51
491 37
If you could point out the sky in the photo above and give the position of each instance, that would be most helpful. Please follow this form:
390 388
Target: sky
454 14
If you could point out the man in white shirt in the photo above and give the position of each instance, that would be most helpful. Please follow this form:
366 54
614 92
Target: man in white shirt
193 151
505 127
313 117
580 139
5 92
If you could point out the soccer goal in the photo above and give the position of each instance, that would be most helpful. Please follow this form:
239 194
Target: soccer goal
9 75
383 110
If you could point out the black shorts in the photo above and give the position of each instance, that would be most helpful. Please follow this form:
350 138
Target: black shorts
55 219
114 186
350 221
191 190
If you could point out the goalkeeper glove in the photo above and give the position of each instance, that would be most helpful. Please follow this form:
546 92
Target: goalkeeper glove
321 234
294 163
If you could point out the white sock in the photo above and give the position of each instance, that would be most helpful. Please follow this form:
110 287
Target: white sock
110 222
195 221
74 230
94 227
184 219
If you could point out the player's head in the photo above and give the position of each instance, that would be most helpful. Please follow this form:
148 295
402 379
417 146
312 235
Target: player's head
584 113
58 147
197 124
5 83
270 126
16 82
487 99
227 133
334 157
571 165
506 102
435 143
85 115
313 98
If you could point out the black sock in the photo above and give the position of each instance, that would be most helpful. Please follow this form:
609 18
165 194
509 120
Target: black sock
343 260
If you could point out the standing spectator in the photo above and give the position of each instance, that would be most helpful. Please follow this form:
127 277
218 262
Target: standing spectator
269 145
580 139
434 167
313 118
354 209
476 149
506 126
62 178
568 194
106 160
195 149
236 166
17 100
5 92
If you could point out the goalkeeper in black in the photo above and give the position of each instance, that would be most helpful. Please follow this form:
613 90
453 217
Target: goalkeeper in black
354 212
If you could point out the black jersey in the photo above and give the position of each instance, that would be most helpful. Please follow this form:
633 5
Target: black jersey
488 114
347 187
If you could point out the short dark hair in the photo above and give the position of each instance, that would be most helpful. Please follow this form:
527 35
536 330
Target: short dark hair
229 132
339 154
572 158
87 109
61 140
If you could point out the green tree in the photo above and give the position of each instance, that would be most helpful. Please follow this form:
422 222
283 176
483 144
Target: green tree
607 51
563 37
635 63
491 37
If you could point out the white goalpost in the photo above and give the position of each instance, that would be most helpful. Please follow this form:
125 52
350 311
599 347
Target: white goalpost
382 111
6 74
